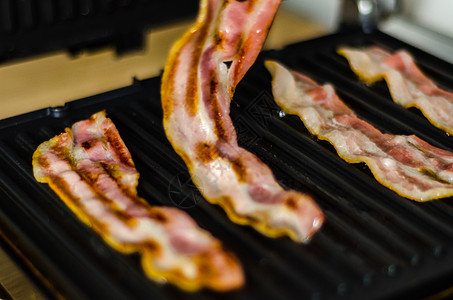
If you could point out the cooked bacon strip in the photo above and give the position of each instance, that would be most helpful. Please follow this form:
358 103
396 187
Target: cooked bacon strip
408 86
92 171
197 87
405 164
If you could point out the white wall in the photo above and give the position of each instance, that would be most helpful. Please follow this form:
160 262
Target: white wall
433 14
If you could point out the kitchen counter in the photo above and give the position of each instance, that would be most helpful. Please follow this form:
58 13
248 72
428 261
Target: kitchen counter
55 79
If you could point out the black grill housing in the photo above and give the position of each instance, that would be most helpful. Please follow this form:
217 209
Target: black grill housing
33 27
373 245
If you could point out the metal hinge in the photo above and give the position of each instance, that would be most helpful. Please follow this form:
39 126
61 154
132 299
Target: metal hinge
367 14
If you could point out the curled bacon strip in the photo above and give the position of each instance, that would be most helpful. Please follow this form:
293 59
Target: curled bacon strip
405 164
408 86
197 87
92 171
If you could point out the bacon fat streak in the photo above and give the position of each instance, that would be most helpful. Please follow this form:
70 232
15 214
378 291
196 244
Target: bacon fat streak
405 164
408 86
197 87
92 171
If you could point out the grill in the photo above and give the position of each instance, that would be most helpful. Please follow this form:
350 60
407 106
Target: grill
373 245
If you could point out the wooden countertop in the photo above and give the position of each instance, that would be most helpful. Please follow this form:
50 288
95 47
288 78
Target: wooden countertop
54 79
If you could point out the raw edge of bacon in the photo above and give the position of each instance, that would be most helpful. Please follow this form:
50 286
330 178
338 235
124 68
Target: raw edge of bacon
91 170
196 93
405 164
408 86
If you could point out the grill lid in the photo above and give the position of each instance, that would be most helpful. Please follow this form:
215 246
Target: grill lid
374 243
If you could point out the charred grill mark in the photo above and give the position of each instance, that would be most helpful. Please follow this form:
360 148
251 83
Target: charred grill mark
236 161
90 177
242 48
63 187
218 38
158 216
291 203
206 267
113 138
60 186
433 175
240 169
42 162
229 257
251 6
60 148
123 216
86 145
166 93
192 82
167 90
239 51
152 246
192 85
109 168
213 86
220 126
206 152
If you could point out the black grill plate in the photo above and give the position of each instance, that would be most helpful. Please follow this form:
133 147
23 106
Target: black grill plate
374 244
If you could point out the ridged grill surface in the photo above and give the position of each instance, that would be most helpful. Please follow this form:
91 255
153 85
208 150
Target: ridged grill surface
373 245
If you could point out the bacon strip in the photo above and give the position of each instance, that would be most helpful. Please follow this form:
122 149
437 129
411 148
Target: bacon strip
92 171
197 87
408 86
405 164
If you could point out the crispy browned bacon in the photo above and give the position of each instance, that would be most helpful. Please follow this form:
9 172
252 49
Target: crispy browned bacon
92 171
196 91
408 86
405 164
